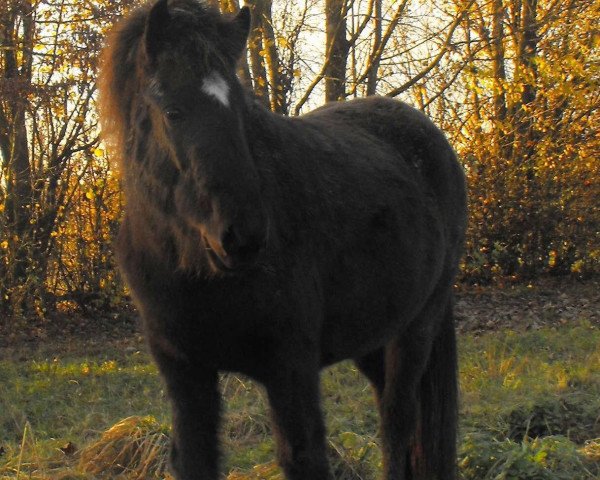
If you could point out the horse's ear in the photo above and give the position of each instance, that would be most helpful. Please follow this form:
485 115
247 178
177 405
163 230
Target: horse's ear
156 27
237 31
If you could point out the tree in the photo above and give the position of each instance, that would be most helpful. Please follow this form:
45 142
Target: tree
514 83
523 119
16 28
337 47
48 136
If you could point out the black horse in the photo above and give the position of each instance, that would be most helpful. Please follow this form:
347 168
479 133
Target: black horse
276 246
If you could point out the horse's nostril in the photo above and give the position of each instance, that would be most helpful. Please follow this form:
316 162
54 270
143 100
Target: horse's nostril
229 241
243 247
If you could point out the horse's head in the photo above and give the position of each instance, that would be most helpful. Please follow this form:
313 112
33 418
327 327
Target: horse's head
195 105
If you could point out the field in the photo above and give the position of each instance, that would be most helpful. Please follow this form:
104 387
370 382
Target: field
80 400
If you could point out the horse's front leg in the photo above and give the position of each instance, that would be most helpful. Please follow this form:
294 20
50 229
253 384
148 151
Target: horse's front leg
195 401
297 420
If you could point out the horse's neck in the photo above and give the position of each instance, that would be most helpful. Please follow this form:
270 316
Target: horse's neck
266 133
258 120
285 183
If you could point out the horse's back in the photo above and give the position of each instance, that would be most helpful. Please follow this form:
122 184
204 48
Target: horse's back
415 139
408 130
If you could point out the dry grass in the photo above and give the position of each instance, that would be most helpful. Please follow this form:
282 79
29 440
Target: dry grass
136 447
591 450
345 466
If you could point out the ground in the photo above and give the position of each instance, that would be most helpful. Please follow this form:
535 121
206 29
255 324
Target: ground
546 302
542 303
80 398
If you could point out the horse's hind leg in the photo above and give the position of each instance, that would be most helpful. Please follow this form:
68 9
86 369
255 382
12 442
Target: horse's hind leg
298 423
396 403
405 361
372 366
402 366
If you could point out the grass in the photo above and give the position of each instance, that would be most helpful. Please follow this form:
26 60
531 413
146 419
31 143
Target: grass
531 404
530 410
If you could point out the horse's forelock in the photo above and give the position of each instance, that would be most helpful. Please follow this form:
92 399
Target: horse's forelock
120 74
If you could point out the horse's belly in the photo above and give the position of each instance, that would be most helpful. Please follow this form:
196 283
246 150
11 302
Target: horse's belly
368 313
360 328
371 297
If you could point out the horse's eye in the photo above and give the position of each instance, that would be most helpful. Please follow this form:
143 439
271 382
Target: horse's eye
173 114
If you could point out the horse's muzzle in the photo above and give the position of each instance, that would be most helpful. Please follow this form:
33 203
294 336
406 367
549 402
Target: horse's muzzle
234 252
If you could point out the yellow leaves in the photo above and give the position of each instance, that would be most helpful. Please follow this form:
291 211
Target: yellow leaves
282 42
591 450
552 258
4 244
108 366
577 266
350 440
562 380
98 152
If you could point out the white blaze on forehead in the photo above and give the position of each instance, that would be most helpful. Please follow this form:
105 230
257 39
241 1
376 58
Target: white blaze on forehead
216 86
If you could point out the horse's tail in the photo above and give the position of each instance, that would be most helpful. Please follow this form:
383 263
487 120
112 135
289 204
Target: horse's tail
433 447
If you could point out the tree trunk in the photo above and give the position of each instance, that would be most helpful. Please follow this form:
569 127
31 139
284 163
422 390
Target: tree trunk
337 50
17 78
373 76
272 57
498 60
256 46
525 146
527 50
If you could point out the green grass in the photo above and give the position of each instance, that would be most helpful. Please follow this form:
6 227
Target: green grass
530 402
530 410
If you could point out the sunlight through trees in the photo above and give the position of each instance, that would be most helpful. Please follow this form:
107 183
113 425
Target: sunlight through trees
513 83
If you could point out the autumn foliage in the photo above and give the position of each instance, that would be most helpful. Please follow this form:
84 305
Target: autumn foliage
530 141
514 83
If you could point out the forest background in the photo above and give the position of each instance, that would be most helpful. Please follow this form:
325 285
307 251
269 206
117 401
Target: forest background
513 83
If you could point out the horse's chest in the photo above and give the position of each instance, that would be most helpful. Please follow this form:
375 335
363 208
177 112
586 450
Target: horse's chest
236 333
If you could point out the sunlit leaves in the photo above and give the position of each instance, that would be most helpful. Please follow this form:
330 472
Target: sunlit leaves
529 140
52 215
